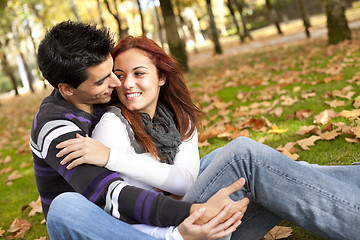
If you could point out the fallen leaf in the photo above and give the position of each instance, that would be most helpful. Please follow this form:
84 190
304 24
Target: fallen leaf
325 116
356 103
308 94
277 112
309 129
350 114
204 144
303 114
7 159
351 140
310 141
278 232
288 101
335 103
330 135
35 207
41 238
276 129
1 232
19 228
14 175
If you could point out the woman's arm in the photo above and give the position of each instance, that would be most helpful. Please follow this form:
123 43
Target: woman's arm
176 179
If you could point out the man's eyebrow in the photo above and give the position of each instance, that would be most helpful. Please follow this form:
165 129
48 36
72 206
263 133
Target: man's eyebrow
102 79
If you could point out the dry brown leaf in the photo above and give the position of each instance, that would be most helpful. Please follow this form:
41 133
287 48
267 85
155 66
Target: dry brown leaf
332 78
277 112
303 114
262 139
1 232
5 170
287 153
7 159
356 103
313 129
203 144
19 228
310 141
288 101
330 135
24 164
356 131
308 94
256 124
278 232
350 114
344 128
351 140
41 238
14 175
35 207
325 116
335 103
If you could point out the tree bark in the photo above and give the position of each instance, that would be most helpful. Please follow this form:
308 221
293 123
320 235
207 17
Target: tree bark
74 10
116 15
337 24
213 29
305 18
143 31
102 22
240 7
274 17
9 72
159 25
232 12
176 46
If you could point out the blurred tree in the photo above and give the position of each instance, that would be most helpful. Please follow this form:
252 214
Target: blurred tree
274 17
213 29
115 13
176 46
232 12
99 7
305 18
143 31
74 9
7 68
337 25
159 26
240 6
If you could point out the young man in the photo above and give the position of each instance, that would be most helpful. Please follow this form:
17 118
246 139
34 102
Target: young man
75 59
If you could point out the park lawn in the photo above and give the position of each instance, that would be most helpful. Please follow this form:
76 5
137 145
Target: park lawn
239 94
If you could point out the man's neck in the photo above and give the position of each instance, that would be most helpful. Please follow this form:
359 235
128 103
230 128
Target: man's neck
89 108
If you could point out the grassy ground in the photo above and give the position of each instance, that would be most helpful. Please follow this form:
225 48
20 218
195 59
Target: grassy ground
222 85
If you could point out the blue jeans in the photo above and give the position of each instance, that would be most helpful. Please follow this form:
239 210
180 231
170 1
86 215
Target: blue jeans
324 200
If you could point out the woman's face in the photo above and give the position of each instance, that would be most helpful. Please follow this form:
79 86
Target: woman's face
140 85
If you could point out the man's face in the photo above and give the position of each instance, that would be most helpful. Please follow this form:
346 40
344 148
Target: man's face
97 88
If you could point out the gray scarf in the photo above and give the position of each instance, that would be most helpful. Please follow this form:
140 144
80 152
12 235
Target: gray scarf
162 129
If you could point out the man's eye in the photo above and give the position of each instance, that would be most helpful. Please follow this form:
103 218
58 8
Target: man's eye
99 83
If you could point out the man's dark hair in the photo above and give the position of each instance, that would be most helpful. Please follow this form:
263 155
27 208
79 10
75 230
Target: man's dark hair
69 49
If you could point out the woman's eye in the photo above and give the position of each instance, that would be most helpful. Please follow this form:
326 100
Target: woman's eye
139 74
120 76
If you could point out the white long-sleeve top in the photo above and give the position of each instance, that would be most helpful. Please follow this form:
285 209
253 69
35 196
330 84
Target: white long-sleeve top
142 169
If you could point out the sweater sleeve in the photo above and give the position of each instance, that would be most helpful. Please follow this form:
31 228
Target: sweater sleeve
176 179
101 186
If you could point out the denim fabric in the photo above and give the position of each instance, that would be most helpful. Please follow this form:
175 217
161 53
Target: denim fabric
72 216
324 200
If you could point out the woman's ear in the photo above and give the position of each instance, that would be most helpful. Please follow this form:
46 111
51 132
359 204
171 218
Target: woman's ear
162 81
65 89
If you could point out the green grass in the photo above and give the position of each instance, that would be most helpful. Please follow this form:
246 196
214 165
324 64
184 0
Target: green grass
302 64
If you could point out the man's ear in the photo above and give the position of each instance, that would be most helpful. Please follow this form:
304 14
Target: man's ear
65 89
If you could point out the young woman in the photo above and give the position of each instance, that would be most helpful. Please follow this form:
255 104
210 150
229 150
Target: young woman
156 112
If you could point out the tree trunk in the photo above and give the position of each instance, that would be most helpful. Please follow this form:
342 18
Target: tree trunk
182 21
74 10
274 17
141 18
240 8
115 14
102 22
213 29
232 12
337 25
29 75
305 18
10 73
176 46
159 25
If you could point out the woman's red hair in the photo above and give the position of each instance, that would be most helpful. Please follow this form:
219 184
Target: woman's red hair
173 94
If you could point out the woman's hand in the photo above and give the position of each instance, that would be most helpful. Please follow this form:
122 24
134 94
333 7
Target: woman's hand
83 150
214 229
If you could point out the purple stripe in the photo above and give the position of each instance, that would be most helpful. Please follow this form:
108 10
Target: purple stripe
147 206
139 205
101 186
35 120
94 182
62 169
70 116
69 174
46 201
44 171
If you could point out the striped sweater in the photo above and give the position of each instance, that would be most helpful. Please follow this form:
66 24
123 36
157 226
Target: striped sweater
57 121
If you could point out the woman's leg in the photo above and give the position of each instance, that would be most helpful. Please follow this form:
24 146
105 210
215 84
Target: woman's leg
72 216
325 204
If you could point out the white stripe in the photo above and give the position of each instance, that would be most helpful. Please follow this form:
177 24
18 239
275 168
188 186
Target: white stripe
35 151
115 199
55 134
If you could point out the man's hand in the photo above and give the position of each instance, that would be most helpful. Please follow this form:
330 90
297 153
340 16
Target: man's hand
214 229
219 200
83 150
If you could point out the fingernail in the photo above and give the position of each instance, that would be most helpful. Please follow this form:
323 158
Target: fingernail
202 209
62 163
